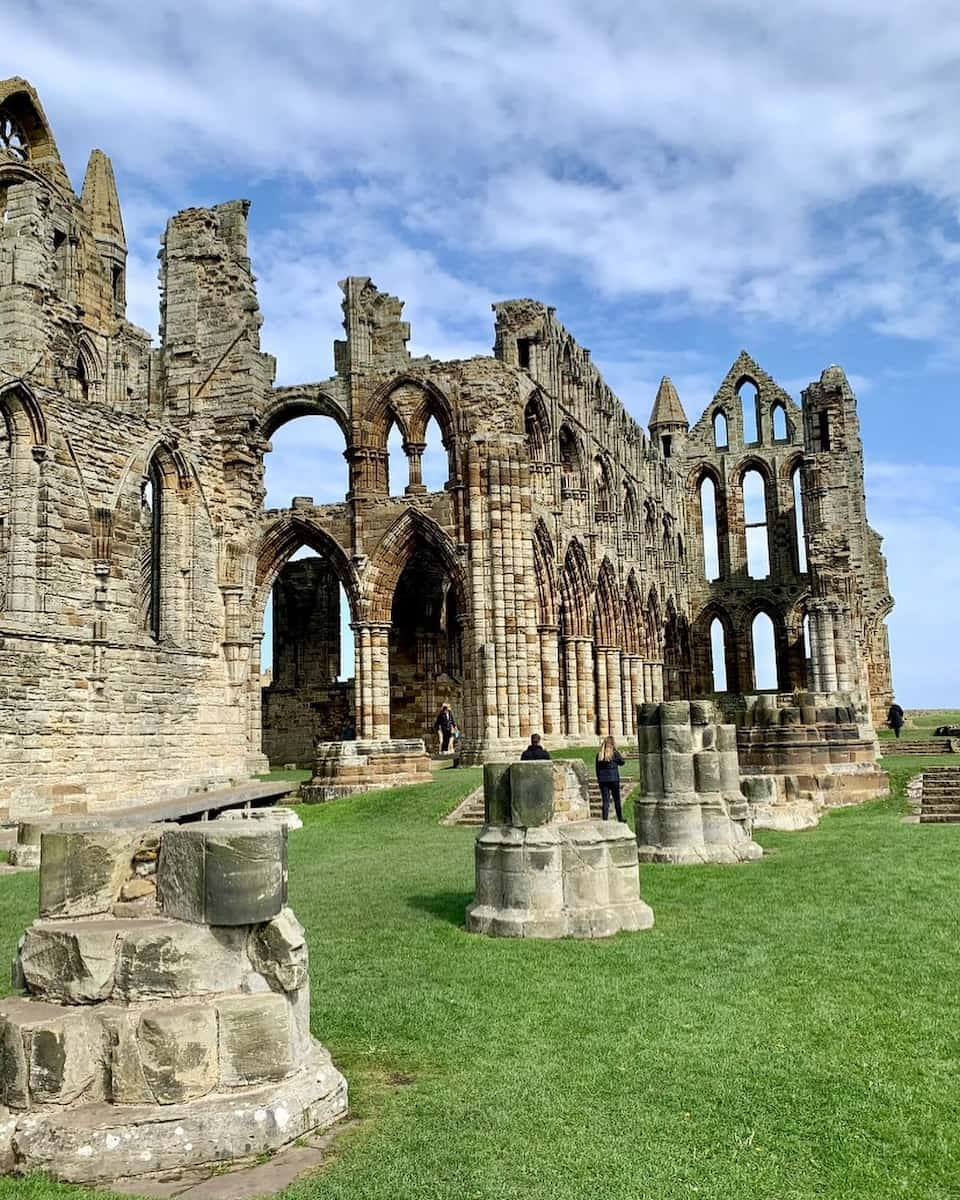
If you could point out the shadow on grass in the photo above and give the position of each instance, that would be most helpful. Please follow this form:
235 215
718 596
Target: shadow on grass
447 906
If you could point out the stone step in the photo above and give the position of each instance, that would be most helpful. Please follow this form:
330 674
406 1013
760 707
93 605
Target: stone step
932 746
940 818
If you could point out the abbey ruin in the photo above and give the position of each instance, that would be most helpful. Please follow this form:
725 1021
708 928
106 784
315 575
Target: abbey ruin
573 566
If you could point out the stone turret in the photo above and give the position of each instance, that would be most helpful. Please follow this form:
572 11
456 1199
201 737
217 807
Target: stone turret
101 206
668 422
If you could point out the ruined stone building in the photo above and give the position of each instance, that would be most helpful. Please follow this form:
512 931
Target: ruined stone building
557 579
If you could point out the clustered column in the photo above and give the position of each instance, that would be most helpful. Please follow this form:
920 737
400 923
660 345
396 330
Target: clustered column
550 678
372 671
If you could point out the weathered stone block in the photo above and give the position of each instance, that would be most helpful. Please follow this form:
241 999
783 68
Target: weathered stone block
278 951
223 875
179 1053
496 793
256 1039
165 960
70 962
81 872
531 793
48 1054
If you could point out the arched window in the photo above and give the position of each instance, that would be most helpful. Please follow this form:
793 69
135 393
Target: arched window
83 381
601 485
755 524
806 643
764 653
151 552
21 432
796 484
631 517
536 429
305 459
720 434
708 525
681 550
747 391
398 469
435 462
571 473
779 416
718 652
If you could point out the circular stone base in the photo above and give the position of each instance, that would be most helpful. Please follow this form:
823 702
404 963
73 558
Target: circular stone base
96 1143
693 856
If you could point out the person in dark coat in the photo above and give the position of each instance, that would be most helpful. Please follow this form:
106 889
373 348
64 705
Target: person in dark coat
349 731
609 762
895 718
445 725
534 750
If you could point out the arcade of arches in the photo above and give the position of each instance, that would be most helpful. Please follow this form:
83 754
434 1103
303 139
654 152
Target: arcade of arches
567 564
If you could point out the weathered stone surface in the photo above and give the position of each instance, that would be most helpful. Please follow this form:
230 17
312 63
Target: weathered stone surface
256 1039
178 1053
223 875
531 793
103 1142
70 962
8 1124
48 1054
137 889
82 871
164 960
278 951
496 793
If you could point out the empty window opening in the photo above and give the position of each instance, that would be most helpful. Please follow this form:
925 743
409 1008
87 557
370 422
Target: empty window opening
681 552
824 430
718 651
83 382
755 525
601 485
720 434
708 524
779 415
150 552
435 464
764 653
571 476
306 459
523 352
796 483
747 392
806 639
117 281
666 441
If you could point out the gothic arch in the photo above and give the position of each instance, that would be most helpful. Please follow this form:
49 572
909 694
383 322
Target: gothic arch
570 452
282 539
634 618
394 551
23 414
608 620
544 567
381 410
575 592
22 447
536 428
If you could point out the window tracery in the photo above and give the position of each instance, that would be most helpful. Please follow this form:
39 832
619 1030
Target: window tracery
13 140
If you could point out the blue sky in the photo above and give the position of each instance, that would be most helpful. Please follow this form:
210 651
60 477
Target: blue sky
682 180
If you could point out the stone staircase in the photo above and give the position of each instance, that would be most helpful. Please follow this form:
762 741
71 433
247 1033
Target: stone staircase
940 796
916 746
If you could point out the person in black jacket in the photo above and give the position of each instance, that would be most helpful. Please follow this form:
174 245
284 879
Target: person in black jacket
444 725
609 762
534 750
895 718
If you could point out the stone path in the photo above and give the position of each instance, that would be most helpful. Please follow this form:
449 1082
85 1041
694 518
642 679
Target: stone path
244 1182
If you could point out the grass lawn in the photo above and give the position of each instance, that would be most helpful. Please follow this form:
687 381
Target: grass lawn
787 1030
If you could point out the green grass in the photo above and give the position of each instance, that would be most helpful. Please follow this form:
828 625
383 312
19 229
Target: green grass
786 1031
921 723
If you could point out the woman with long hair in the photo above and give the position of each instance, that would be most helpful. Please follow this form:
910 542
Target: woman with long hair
609 762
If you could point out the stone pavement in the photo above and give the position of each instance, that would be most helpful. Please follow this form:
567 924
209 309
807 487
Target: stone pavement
240 1182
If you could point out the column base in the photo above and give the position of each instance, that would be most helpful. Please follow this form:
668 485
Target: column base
346 768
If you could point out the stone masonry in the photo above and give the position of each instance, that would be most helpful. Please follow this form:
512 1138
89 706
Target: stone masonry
164 1014
556 581
544 868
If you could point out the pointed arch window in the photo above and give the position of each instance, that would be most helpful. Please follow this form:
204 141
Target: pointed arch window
799 532
398 468
763 636
151 553
721 437
778 416
708 526
749 397
571 470
755 524
718 654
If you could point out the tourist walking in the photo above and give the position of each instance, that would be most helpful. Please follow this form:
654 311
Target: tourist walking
445 725
609 762
895 718
534 750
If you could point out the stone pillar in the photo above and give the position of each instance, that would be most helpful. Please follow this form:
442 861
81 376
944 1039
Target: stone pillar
615 676
586 687
603 693
571 677
372 670
843 649
824 649
550 679
414 452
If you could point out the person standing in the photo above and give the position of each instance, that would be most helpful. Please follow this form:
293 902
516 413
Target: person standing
895 718
444 725
609 762
534 750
